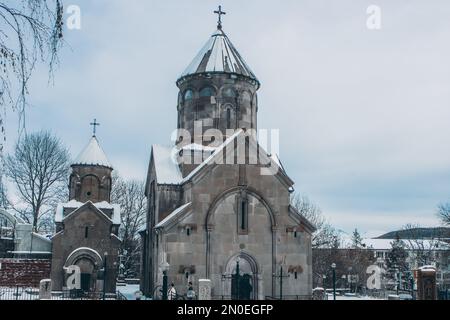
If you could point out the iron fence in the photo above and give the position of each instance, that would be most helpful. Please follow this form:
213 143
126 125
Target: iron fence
26 293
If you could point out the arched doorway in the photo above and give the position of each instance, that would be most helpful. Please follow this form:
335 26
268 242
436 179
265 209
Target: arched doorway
89 261
241 278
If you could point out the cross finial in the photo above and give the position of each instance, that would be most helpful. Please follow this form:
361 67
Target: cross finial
94 125
220 13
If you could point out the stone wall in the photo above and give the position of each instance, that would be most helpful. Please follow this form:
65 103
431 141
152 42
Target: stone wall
21 272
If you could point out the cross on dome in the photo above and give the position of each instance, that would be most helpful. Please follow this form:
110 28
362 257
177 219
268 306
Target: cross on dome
220 13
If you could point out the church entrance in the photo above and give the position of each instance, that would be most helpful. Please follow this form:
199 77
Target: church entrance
242 275
86 282
87 269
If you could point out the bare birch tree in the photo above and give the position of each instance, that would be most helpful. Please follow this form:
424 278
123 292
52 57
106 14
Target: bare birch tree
30 33
39 168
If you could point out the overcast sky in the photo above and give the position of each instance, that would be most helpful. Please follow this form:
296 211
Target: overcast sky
364 115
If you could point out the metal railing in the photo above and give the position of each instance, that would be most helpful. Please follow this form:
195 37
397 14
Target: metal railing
290 297
27 293
19 293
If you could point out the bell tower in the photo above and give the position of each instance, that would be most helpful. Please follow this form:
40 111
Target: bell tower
217 90
90 179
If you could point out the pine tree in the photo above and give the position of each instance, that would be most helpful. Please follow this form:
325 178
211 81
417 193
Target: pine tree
397 258
357 241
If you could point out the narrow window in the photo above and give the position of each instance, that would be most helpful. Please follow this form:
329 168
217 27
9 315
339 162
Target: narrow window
295 274
242 215
188 231
228 119
295 233
86 231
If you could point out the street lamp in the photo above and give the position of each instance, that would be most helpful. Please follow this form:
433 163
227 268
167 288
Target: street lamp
104 274
164 267
333 267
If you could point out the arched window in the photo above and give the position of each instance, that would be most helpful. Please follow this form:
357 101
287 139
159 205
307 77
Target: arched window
228 118
229 93
207 92
91 186
188 95
246 97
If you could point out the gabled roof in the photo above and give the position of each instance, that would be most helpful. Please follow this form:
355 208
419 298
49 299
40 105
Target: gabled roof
92 155
303 221
219 55
166 167
73 204
168 172
175 215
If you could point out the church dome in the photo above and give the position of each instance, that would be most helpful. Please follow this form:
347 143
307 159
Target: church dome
219 56
92 155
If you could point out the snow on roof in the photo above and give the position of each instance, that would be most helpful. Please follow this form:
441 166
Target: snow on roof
93 154
166 167
208 160
385 244
172 216
73 204
219 55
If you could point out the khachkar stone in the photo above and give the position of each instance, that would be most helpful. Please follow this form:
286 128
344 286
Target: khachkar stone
45 289
204 289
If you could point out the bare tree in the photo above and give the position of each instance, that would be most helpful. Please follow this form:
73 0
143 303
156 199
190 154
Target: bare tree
131 197
30 32
4 203
326 236
38 168
444 213
422 250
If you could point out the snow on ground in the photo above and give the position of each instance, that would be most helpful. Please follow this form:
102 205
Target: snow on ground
129 290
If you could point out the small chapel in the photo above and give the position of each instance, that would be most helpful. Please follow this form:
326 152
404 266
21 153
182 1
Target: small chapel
87 226
218 202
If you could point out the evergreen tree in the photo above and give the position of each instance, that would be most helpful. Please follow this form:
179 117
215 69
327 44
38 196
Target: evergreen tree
357 241
397 258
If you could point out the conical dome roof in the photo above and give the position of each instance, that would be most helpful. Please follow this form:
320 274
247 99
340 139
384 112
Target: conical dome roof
219 55
92 155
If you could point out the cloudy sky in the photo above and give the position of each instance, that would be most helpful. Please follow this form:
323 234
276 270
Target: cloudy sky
364 115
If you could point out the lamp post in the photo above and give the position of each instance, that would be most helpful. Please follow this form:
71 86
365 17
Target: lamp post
104 274
165 267
333 267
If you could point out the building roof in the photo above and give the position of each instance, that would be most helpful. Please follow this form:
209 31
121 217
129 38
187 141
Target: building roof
73 204
168 171
219 55
386 244
176 214
166 167
92 155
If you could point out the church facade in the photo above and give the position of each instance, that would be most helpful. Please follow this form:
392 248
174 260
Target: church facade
218 203
87 227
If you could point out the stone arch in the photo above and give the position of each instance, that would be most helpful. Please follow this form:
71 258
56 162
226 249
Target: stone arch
248 265
90 186
89 262
228 116
238 189
228 92
209 227
84 253
8 223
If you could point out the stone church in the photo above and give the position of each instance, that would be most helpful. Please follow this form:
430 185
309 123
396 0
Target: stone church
87 226
218 203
